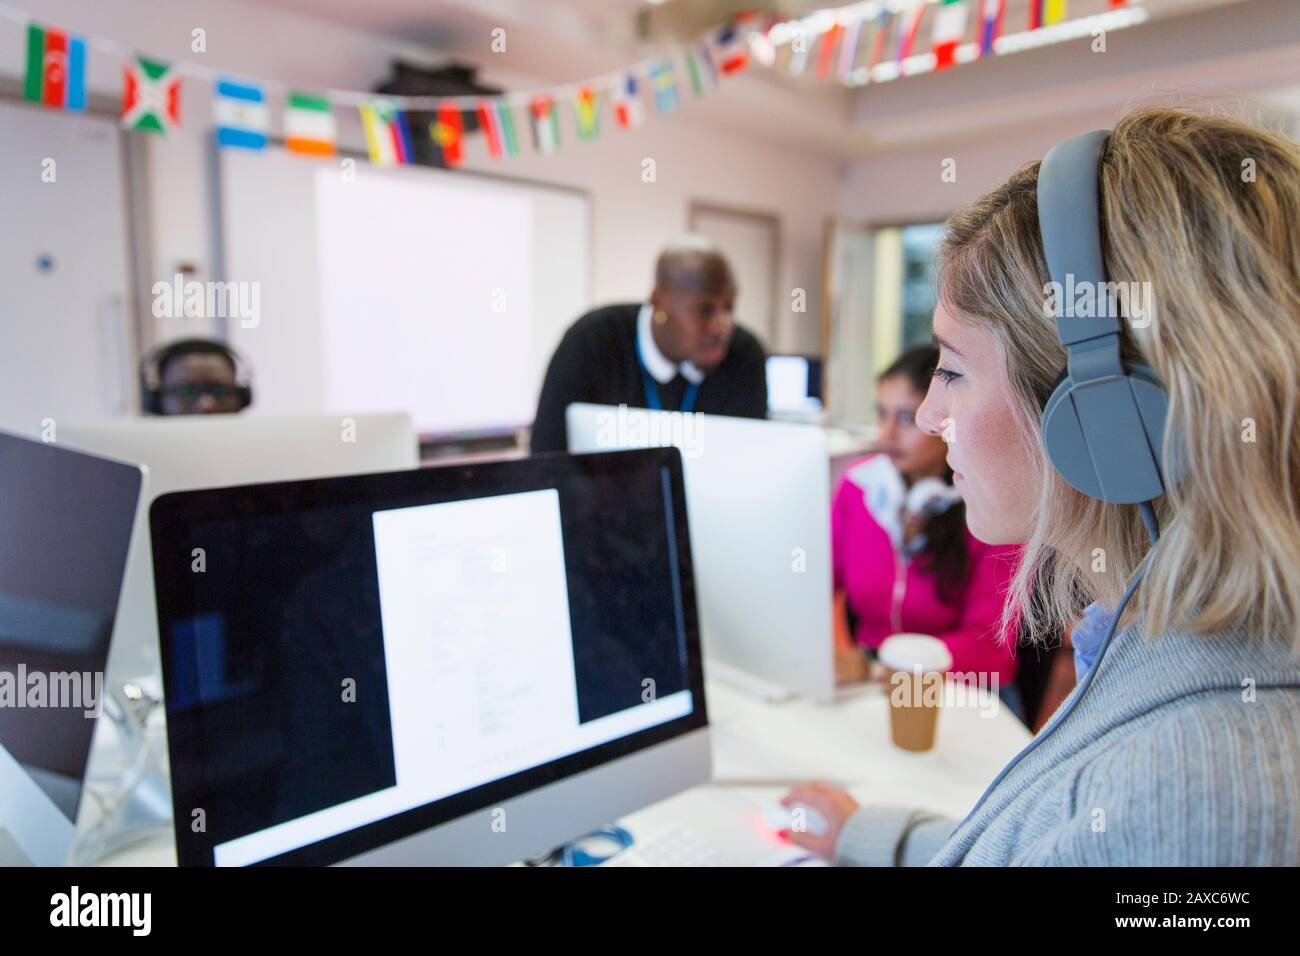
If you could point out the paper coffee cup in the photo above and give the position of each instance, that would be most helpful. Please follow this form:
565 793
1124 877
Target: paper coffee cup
915 665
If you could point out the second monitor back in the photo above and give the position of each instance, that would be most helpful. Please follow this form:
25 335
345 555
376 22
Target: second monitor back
758 503
208 451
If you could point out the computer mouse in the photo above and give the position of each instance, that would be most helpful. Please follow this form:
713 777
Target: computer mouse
797 816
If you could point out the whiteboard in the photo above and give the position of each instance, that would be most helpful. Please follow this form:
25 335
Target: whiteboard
441 294
67 329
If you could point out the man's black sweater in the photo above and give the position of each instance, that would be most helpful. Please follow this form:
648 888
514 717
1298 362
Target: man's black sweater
596 362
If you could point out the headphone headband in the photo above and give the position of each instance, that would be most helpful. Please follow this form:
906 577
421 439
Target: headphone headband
1069 216
1103 426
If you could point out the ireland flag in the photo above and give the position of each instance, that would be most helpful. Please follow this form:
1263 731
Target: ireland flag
152 101
309 125
56 68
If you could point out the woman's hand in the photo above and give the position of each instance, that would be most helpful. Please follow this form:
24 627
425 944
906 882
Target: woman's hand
835 805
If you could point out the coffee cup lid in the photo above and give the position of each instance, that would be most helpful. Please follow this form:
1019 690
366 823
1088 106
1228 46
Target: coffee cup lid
910 652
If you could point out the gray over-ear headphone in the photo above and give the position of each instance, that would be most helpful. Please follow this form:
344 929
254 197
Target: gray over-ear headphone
1104 425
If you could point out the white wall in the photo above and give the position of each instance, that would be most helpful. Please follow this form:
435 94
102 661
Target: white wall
631 218
907 186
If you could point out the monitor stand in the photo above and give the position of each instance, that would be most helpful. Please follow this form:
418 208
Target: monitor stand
746 682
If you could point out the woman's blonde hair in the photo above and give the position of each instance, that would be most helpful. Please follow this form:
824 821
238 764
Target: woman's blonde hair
1206 210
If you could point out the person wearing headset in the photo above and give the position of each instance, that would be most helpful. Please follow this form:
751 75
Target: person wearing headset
194 377
1154 482
902 558
681 351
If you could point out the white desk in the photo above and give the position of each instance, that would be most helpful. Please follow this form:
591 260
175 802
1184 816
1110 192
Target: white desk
760 749
847 742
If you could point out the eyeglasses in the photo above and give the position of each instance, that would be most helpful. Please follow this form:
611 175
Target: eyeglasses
191 394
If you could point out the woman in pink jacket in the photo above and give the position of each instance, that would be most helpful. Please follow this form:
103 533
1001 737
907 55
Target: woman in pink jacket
903 559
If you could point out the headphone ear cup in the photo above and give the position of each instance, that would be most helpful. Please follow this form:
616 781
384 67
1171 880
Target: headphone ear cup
1067 448
245 393
150 400
1063 440
1153 406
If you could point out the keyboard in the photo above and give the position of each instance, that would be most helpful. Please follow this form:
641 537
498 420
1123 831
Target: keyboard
673 847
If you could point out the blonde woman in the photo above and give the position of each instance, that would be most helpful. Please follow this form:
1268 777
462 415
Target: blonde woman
1185 747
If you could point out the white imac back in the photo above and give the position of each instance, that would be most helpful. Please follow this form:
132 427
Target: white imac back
210 451
758 502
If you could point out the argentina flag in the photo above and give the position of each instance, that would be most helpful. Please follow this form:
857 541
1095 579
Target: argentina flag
241 115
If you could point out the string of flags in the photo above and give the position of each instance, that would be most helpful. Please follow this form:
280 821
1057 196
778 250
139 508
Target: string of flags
854 44
881 40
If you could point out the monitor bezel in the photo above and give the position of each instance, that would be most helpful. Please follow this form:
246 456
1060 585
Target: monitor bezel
171 514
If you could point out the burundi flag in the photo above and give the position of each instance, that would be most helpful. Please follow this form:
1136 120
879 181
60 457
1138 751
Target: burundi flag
586 113
664 79
947 32
241 114
309 125
386 134
56 68
546 123
498 124
447 133
629 111
152 101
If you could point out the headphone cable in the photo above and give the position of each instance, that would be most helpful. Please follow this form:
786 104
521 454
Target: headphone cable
1153 533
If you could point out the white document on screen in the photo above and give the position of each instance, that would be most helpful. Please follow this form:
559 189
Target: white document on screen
475 608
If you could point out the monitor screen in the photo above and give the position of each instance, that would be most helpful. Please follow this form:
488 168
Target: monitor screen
794 383
348 661
65 524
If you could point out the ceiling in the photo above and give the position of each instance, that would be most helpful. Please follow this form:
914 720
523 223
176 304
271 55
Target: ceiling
559 41
617 23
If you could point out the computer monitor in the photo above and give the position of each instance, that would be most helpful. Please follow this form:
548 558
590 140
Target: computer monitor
759 499
65 525
794 384
207 451
461 665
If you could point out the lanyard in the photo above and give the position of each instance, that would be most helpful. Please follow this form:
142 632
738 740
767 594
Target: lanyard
652 390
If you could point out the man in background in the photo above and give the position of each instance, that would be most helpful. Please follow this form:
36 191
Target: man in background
193 377
681 351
